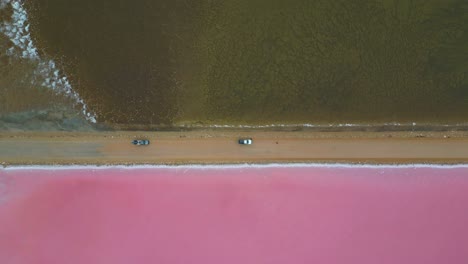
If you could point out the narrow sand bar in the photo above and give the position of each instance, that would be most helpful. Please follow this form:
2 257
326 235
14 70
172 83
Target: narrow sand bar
218 147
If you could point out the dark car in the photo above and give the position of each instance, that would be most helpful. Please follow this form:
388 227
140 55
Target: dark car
245 141
140 142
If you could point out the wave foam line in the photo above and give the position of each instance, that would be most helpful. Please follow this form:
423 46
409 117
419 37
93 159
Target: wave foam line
17 30
307 125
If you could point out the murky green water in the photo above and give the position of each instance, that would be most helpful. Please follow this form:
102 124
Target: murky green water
261 61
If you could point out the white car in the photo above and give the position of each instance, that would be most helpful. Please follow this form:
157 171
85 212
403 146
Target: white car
245 141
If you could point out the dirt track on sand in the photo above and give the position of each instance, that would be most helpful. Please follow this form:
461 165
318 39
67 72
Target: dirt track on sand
211 147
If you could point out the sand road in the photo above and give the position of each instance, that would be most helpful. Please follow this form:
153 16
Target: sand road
187 148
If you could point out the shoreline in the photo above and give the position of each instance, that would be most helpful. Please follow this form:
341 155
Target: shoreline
341 127
241 132
64 119
236 166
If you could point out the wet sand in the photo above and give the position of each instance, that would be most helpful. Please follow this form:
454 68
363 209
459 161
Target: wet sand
238 215
218 147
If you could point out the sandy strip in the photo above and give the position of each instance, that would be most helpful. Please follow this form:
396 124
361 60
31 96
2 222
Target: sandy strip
219 147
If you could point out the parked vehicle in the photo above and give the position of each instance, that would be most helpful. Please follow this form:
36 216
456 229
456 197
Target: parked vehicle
245 141
140 142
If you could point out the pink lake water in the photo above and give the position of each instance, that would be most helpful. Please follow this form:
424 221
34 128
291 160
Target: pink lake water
298 214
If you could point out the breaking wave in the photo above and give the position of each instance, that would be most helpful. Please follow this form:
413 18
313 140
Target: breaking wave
18 32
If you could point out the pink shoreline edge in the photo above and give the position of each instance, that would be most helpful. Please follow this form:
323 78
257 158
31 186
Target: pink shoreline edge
236 166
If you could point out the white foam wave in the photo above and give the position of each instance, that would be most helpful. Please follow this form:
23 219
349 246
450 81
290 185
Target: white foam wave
414 124
17 30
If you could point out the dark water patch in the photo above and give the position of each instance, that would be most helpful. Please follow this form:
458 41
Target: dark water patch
161 63
121 56
335 61
6 12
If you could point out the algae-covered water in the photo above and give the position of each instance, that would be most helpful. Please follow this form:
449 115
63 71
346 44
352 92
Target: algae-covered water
254 62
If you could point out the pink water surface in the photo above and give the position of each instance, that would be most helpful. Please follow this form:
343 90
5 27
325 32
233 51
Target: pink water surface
234 215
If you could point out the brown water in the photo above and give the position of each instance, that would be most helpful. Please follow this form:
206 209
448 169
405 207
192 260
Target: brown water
261 61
